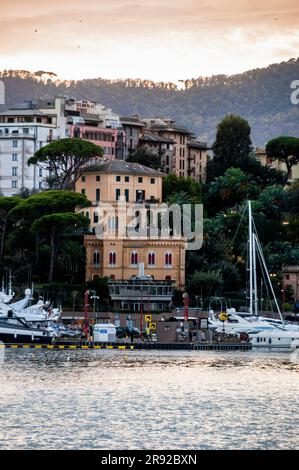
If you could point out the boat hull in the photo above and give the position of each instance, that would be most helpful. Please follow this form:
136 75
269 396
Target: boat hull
17 335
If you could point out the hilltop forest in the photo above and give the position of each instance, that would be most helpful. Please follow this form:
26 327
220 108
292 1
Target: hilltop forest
262 96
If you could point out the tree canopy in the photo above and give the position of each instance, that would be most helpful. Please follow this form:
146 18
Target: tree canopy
146 158
64 159
285 149
232 145
49 202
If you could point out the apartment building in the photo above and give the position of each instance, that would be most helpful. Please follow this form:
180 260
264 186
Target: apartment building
22 132
189 157
157 145
133 128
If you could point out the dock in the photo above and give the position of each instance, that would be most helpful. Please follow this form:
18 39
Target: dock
224 346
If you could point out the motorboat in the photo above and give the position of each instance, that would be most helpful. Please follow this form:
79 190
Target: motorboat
278 340
23 322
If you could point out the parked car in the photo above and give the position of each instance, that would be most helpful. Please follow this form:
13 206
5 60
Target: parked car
123 332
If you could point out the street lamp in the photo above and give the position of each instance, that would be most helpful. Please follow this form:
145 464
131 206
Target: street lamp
94 297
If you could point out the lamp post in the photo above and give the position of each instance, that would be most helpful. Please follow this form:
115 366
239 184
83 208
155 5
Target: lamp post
94 297
86 326
141 313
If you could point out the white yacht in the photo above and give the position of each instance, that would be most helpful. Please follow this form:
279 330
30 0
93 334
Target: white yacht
263 332
21 322
278 340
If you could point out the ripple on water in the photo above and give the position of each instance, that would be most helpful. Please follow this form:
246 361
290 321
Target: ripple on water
148 400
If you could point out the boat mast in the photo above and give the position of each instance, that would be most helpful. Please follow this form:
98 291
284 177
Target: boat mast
10 284
255 301
262 258
250 258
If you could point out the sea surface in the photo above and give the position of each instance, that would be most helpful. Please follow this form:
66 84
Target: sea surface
110 399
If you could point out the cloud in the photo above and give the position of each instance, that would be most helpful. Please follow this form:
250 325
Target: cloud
170 34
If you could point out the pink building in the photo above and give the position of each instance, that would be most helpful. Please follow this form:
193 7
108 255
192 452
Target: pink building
111 140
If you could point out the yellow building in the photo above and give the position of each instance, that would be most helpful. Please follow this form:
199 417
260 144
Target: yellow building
118 190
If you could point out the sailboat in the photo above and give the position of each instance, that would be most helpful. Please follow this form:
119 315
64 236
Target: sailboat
283 336
264 333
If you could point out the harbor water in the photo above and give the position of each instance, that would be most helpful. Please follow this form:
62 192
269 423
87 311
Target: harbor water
111 399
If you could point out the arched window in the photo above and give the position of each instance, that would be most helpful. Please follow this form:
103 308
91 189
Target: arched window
112 257
96 257
151 258
134 257
168 259
167 278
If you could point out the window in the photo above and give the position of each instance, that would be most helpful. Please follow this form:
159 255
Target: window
95 217
151 259
14 157
112 224
167 278
168 259
14 170
98 194
140 179
40 185
287 277
118 178
140 196
127 195
14 143
134 258
98 178
40 172
117 194
112 258
127 179
14 184
82 191
83 179
96 258
152 180
25 130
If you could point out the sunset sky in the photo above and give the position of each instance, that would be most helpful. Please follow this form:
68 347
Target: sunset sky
156 39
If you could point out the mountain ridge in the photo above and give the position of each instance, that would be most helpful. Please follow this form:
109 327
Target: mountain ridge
261 95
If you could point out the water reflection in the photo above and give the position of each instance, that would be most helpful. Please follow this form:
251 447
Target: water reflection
148 399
